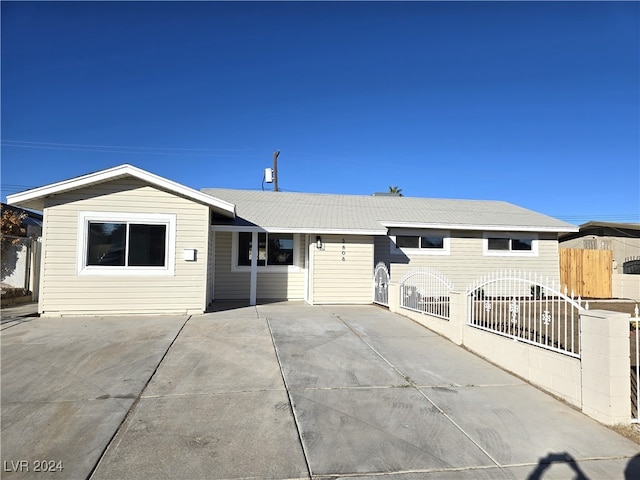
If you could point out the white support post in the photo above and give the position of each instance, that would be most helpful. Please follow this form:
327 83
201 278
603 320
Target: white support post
254 268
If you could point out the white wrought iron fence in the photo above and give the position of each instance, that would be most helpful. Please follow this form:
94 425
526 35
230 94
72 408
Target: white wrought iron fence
381 284
426 291
526 307
635 366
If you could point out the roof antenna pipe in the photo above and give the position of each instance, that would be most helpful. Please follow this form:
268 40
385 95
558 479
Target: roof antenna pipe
275 170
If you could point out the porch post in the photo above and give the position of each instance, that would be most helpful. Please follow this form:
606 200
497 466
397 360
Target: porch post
254 268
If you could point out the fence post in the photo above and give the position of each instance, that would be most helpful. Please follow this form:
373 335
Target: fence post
606 366
393 297
457 316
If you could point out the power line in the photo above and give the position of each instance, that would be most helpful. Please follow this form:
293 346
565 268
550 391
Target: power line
166 151
27 143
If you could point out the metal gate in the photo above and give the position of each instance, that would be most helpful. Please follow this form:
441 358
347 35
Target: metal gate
381 284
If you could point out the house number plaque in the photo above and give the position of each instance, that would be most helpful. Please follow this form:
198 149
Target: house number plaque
344 250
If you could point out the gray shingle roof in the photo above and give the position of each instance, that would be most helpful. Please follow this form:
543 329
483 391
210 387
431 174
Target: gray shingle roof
312 212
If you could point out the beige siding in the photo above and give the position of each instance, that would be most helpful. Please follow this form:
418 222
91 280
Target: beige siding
343 278
466 260
66 292
230 285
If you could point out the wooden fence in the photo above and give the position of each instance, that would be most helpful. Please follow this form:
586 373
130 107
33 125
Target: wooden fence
586 272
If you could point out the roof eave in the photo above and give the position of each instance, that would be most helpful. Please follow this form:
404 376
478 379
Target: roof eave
310 231
490 228
34 198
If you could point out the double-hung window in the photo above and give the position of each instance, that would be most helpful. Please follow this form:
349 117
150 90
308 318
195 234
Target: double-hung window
117 243
273 250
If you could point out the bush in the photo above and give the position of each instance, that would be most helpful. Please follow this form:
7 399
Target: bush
15 292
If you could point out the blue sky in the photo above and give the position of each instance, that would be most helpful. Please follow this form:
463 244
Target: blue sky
533 103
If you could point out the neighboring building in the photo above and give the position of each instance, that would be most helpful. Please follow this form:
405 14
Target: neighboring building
623 239
123 240
20 260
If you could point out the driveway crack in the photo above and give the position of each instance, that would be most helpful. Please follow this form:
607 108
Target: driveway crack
132 409
293 411
415 386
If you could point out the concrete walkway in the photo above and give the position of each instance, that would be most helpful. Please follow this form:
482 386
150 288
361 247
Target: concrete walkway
283 391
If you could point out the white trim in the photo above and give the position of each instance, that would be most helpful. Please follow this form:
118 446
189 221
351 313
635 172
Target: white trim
492 228
410 252
212 266
253 289
119 172
151 218
306 264
310 231
265 268
510 253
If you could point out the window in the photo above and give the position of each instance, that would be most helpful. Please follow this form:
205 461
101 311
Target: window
404 241
126 243
435 243
274 249
499 243
505 244
431 242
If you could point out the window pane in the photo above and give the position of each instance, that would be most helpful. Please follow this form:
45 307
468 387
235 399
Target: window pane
498 244
262 249
106 244
280 249
244 249
407 242
521 244
147 245
431 242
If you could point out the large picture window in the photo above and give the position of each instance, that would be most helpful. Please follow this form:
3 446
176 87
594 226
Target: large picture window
126 243
273 249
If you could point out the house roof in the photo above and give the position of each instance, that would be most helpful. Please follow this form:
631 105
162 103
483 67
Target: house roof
614 229
373 215
31 218
34 198
618 225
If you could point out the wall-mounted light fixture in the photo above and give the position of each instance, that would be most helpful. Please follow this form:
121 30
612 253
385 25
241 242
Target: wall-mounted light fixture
319 242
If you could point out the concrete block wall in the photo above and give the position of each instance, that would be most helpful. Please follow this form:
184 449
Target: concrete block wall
597 383
625 286
606 388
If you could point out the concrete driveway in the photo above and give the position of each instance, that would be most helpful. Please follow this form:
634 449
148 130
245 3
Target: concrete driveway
281 391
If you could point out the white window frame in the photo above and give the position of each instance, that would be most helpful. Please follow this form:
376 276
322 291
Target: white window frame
446 243
169 220
510 253
266 268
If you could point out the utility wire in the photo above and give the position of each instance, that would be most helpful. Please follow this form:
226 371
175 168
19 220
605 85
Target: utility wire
27 144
